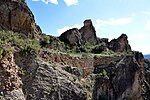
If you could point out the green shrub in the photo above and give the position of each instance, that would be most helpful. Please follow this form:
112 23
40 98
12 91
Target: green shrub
98 49
45 41
21 71
4 52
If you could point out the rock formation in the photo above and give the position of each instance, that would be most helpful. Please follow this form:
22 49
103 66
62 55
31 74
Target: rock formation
86 34
16 16
49 74
48 81
10 82
71 36
120 44
124 79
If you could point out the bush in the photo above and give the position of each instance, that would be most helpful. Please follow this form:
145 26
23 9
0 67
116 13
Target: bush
98 49
4 52
45 41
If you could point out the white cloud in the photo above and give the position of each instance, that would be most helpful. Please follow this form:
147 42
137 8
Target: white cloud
68 2
120 21
100 24
48 1
71 2
61 30
147 27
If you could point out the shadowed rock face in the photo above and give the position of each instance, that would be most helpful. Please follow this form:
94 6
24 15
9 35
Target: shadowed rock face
124 80
71 36
15 15
120 44
86 34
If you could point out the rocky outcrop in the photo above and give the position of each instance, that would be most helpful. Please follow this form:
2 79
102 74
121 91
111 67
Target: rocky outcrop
45 81
10 82
123 79
120 44
16 16
85 65
86 34
71 36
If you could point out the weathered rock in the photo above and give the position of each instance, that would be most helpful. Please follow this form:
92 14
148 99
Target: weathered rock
73 70
71 36
120 44
88 32
10 82
123 79
16 16
45 81
84 64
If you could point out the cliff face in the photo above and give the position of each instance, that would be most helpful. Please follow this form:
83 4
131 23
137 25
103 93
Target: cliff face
123 79
10 82
16 16
48 81
85 65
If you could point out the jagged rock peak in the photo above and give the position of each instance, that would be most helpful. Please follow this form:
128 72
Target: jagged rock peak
120 44
88 22
88 32
79 36
15 15
123 36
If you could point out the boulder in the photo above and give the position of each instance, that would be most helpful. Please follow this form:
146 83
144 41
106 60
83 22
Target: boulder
120 44
16 16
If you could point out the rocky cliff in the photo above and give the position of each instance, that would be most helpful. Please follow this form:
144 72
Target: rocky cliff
50 69
10 82
16 16
123 80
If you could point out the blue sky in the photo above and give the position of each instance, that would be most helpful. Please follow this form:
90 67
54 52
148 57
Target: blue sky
111 18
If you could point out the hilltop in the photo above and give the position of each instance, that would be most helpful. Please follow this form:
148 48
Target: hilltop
77 65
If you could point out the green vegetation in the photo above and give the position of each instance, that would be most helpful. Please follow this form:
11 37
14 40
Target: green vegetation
10 40
21 71
29 45
4 52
